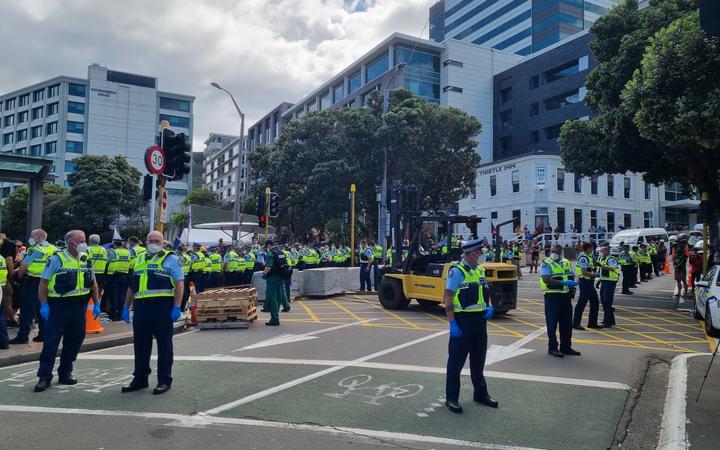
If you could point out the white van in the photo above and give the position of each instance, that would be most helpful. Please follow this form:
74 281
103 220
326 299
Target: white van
637 236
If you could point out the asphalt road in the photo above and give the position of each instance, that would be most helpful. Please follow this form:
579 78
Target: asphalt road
345 373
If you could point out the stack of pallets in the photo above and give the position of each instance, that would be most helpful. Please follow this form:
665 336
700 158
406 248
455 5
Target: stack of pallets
228 307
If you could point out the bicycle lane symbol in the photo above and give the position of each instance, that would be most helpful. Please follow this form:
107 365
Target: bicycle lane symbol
357 386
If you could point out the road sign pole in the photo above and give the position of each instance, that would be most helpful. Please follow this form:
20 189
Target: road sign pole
352 225
161 190
153 203
267 213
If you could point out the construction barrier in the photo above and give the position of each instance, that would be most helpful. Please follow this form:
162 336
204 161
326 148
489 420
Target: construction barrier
92 325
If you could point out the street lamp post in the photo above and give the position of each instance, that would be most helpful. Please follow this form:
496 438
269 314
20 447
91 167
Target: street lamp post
237 207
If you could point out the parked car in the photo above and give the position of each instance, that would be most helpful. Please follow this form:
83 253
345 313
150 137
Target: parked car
707 293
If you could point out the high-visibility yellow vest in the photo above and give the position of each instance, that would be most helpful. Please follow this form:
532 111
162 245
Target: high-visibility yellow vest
207 268
199 264
3 272
233 263
36 267
73 279
216 262
121 263
591 266
558 273
469 297
185 262
607 274
150 279
134 253
98 256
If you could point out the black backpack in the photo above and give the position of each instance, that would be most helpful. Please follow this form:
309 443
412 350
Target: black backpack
280 265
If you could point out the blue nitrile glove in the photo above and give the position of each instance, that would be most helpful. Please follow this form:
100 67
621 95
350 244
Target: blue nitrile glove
454 329
570 283
126 315
175 313
45 311
489 311
96 310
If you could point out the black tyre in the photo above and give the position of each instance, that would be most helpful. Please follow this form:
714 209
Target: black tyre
428 304
709 330
391 294
696 313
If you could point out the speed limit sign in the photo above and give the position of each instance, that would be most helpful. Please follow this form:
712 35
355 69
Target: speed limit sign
155 160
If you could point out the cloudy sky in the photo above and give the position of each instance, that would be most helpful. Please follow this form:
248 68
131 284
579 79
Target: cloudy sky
263 51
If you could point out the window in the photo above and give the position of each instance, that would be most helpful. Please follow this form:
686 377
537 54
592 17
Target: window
23 100
338 92
562 71
50 147
354 83
69 166
36 132
647 191
176 105
578 220
9 121
76 108
39 95
73 147
175 121
8 138
78 90
561 180
560 227
611 221
377 68
37 113
22 117
35 150
627 220
450 62
505 95
515 181
505 119
626 187
505 144
647 219
75 127
453 89
562 101
493 215
594 185
534 109
534 136
51 128
54 91
52 109
593 218
324 103
9 104
534 81
610 186
553 131
578 184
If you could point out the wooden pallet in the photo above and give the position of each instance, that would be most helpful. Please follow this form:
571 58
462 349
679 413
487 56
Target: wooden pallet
211 308
226 322
202 314
217 294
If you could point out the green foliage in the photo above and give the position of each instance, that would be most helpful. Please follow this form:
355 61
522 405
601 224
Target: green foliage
14 213
55 220
317 157
203 197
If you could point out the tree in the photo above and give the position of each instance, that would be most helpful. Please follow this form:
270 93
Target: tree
101 190
203 197
55 219
638 89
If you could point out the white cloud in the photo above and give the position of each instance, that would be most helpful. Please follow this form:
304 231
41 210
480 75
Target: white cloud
263 51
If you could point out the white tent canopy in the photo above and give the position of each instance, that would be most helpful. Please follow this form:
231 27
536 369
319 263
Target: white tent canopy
209 234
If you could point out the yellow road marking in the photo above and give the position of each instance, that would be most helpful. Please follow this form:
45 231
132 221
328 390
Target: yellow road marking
309 311
350 313
392 314
711 342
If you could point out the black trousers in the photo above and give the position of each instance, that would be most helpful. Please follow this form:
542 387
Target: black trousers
587 293
607 297
365 278
66 323
151 318
473 342
626 277
558 314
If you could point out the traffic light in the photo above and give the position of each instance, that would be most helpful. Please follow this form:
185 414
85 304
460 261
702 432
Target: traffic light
346 218
261 220
261 210
273 204
147 187
178 154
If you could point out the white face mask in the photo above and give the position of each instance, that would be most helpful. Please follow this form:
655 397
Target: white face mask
154 248
555 256
32 241
82 248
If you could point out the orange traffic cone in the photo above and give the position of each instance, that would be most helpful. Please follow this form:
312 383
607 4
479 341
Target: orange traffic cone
92 325
667 264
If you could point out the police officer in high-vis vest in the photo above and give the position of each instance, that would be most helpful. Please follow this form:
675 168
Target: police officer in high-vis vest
117 270
31 268
98 257
465 304
185 264
4 338
67 283
626 267
556 283
155 293
585 271
609 276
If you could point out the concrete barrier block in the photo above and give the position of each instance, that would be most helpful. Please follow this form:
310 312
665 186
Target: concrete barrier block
352 277
259 284
324 281
296 283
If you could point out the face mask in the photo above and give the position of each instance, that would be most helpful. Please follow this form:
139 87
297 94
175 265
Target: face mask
32 241
555 256
154 248
82 248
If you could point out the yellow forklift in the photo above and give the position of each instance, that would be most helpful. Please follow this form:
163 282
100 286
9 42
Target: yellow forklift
422 274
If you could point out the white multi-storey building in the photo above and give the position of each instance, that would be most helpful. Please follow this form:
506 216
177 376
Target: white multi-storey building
220 162
108 113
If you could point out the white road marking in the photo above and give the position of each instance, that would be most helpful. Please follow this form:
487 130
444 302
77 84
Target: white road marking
288 338
378 365
312 376
498 353
672 429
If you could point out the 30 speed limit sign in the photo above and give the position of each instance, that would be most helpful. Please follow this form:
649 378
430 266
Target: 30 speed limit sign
155 160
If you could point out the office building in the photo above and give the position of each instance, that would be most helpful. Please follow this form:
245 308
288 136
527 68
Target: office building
108 113
220 159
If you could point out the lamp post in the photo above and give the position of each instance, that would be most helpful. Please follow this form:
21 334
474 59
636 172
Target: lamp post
382 231
238 172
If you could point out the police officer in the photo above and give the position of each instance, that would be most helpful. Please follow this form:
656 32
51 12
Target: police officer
216 268
118 267
66 284
135 248
585 271
98 257
185 263
467 311
4 338
197 265
365 257
31 269
556 284
275 287
625 261
608 280
231 263
155 293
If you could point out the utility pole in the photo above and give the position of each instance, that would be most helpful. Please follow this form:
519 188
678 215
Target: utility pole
352 225
267 213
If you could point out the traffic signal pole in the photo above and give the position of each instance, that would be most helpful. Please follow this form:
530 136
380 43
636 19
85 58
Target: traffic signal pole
267 212
352 225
